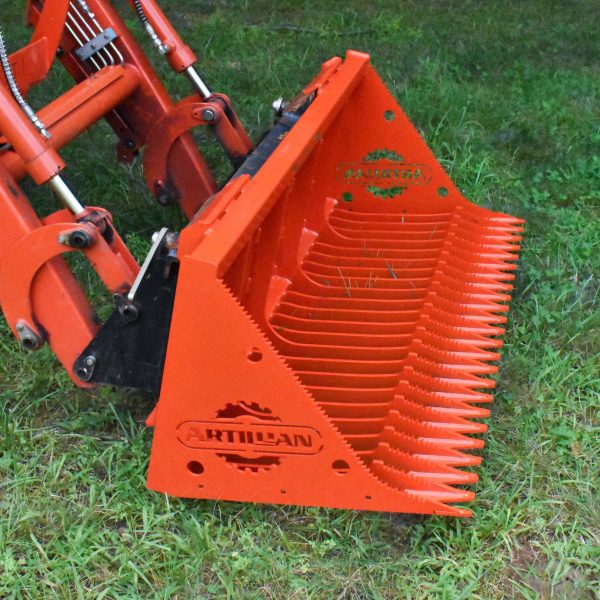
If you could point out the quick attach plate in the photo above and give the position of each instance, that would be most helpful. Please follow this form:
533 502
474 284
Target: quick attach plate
129 349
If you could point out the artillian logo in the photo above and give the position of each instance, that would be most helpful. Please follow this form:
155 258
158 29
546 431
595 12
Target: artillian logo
384 173
249 437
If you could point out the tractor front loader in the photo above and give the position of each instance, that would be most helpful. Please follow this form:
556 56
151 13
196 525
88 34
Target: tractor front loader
321 332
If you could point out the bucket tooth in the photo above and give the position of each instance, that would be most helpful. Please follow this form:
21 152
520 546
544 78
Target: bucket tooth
438 417
456 348
422 468
419 486
448 403
344 305
431 433
400 437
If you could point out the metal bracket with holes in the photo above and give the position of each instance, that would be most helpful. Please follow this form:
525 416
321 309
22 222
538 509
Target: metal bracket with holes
96 44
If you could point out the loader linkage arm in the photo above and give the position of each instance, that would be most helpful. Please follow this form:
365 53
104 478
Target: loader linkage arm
39 295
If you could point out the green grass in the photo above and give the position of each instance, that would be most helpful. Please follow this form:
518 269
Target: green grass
507 95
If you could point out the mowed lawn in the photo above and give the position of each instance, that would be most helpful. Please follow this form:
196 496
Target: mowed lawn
506 93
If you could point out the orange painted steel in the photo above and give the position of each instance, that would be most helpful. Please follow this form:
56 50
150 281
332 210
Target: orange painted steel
58 303
37 288
189 174
34 250
32 63
179 55
185 116
78 109
136 116
335 320
338 304
41 161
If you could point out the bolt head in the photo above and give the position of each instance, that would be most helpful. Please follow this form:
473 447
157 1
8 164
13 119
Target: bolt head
279 106
209 115
80 239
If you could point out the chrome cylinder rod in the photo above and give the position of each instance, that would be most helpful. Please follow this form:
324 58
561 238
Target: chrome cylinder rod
195 78
66 196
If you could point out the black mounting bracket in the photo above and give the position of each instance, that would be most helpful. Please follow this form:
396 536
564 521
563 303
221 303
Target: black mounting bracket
129 349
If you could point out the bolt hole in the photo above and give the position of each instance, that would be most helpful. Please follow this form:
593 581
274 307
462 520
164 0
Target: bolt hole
367 497
195 467
129 313
389 115
81 372
255 355
284 491
28 343
442 192
341 467
79 239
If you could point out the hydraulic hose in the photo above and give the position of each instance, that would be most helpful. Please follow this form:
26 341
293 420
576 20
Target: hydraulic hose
148 27
16 92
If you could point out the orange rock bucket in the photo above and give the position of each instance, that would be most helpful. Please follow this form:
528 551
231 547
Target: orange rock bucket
337 317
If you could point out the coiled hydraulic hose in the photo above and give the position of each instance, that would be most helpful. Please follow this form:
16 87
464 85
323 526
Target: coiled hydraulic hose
148 27
16 92
192 74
